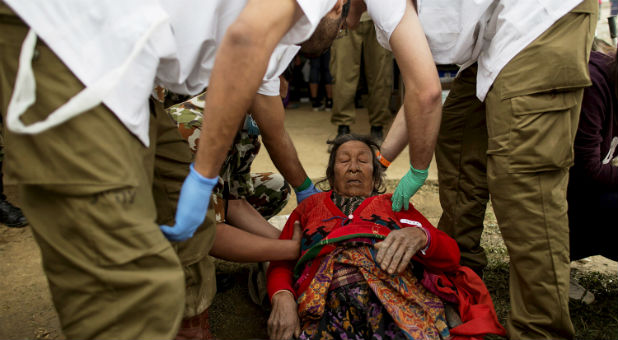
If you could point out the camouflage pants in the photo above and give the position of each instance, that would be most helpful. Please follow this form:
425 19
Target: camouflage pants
267 192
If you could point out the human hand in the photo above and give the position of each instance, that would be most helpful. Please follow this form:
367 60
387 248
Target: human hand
395 252
407 187
283 322
192 206
301 195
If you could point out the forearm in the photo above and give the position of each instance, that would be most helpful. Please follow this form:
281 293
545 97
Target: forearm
233 77
423 125
238 70
269 115
237 245
397 137
284 156
422 101
242 215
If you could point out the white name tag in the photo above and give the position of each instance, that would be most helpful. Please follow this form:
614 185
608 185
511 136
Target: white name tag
414 223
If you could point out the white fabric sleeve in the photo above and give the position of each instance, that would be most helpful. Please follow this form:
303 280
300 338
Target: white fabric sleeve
279 61
313 12
386 15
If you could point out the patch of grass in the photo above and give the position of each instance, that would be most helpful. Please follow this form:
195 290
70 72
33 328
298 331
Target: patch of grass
598 320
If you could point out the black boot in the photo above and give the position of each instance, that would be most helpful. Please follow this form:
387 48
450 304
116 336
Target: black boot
11 216
328 104
316 104
341 130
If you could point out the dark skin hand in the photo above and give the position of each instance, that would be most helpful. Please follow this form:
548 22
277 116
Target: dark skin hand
283 322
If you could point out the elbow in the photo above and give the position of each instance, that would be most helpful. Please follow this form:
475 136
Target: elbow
242 34
426 98
430 98
275 136
269 140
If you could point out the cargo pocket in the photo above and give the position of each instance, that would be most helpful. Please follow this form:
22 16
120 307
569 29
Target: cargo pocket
542 131
555 61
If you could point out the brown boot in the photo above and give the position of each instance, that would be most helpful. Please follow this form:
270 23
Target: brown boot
195 328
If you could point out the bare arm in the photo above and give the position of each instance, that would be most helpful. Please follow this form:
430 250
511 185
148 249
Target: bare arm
237 245
243 215
240 64
269 114
397 137
422 101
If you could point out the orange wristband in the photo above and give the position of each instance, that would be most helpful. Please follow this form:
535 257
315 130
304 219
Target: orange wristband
382 160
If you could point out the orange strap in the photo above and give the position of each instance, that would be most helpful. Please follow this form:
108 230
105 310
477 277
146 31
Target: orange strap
382 160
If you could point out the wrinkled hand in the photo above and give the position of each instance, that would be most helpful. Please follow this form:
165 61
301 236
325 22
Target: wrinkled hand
407 187
301 195
192 206
283 322
395 252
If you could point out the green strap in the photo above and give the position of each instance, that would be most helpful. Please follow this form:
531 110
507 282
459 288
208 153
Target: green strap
303 186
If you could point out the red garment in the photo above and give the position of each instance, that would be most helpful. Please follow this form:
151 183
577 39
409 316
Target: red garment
324 225
476 308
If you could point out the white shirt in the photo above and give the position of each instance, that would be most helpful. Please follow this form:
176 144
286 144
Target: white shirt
386 15
199 28
489 32
93 37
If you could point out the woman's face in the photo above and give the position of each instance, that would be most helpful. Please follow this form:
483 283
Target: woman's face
353 169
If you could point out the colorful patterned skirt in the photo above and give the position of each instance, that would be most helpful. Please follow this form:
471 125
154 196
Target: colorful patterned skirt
367 303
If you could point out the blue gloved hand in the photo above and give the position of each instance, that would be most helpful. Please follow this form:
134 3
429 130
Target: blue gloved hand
192 206
407 187
301 195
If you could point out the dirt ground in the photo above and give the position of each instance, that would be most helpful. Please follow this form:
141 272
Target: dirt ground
26 311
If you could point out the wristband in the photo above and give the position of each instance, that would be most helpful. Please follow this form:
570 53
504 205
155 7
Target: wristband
424 250
382 159
303 186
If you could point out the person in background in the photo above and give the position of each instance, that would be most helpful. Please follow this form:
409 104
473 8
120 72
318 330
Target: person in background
345 65
593 180
320 74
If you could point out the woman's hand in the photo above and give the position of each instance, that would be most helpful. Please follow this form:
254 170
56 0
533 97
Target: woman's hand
395 252
283 322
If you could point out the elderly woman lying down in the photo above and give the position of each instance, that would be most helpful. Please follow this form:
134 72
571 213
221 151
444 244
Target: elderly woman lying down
366 272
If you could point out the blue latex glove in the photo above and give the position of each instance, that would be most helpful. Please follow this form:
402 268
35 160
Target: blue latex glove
192 206
407 187
301 195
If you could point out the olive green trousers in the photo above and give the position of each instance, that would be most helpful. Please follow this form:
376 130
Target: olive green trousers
345 67
94 196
